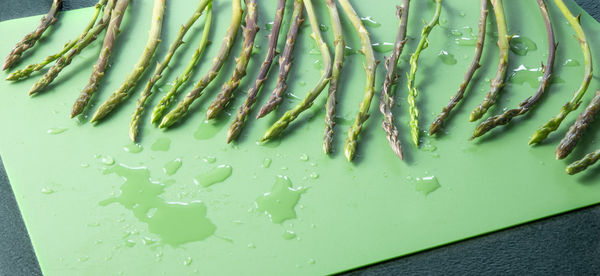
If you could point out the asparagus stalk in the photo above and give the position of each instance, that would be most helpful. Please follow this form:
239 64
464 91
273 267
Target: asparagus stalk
582 164
160 68
387 93
183 106
437 123
153 40
338 61
29 69
285 62
102 62
66 59
241 63
370 68
585 119
278 127
498 82
413 92
530 102
166 100
238 123
552 125
30 39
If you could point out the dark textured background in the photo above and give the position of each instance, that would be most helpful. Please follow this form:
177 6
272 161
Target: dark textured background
567 244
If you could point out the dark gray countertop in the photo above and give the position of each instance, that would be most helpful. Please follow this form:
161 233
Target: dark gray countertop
567 244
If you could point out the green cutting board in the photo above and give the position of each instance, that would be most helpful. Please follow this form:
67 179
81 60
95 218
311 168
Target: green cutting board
320 214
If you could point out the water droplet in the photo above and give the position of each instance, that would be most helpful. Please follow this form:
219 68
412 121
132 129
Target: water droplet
47 191
447 58
349 51
302 83
311 261
176 223
521 45
83 259
269 25
85 165
56 130
314 175
462 14
522 74
323 27
464 37
427 184
161 144
370 22
172 166
187 261
288 235
318 64
251 245
429 147
208 129
213 176
383 47
209 159
279 204
304 157
266 163
571 63
107 160
129 243
133 148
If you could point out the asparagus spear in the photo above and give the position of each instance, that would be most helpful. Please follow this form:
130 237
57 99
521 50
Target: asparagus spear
552 125
413 92
166 100
585 119
153 40
498 82
278 127
285 62
370 68
29 69
239 72
238 123
30 39
160 68
582 164
66 59
183 106
437 123
338 61
102 62
530 102
387 93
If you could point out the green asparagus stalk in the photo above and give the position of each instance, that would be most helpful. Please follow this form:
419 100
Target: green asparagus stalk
437 123
387 94
167 99
278 127
585 119
552 125
29 69
413 92
285 62
238 123
66 59
370 68
183 106
241 63
153 40
530 102
102 62
338 61
160 68
582 164
498 82
30 39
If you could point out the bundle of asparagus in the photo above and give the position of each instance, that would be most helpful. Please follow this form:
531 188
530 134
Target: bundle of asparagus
112 15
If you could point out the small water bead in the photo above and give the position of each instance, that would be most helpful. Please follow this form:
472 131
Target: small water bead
288 235
522 75
370 22
427 184
133 148
279 204
269 25
161 144
209 159
172 166
214 176
447 58
304 157
521 45
56 130
383 47
266 163
571 63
